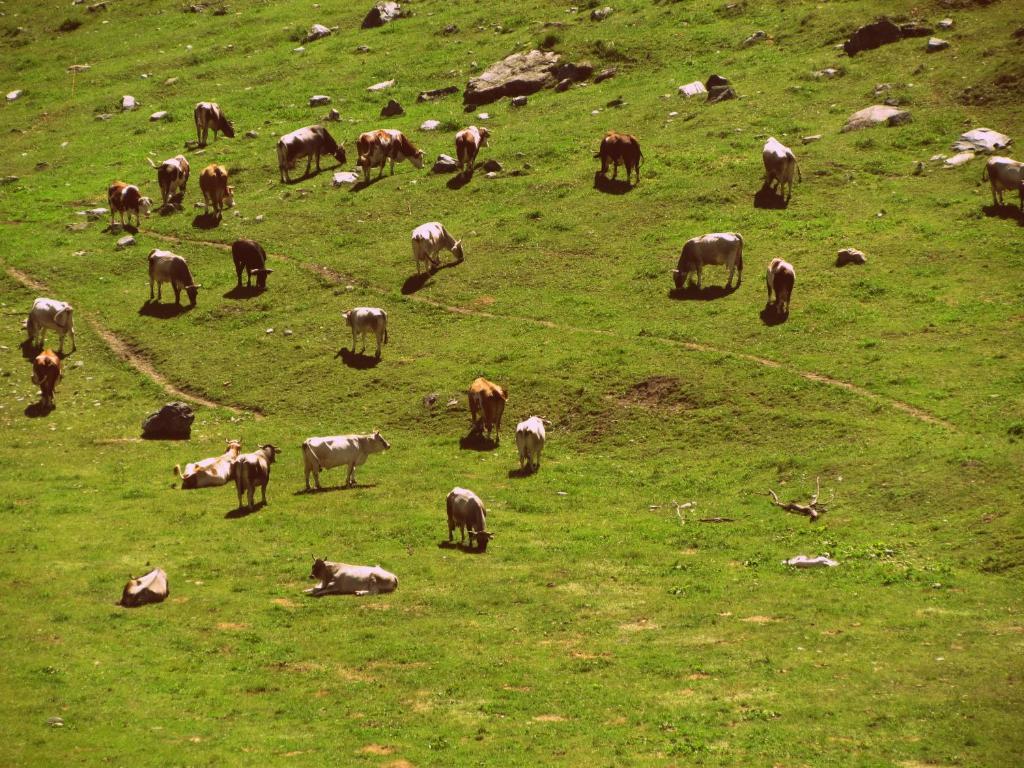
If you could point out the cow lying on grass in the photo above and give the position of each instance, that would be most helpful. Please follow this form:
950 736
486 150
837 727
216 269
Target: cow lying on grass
209 473
151 588
344 579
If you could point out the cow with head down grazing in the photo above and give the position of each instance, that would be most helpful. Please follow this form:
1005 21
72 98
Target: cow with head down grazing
780 279
486 406
376 148
466 510
167 267
213 182
780 166
208 115
172 175
715 248
620 148
50 315
309 142
127 199
46 372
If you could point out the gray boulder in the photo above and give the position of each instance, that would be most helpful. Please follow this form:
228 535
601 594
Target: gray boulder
392 109
878 114
983 140
600 14
430 125
125 242
519 74
850 256
319 101
128 103
316 32
381 14
172 422
936 44
445 164
696 88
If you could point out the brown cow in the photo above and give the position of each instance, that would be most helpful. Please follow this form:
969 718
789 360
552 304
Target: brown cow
467 143
487 404
126 198
780 279
378 147
213 182
208 115
172 175
46 372
620 148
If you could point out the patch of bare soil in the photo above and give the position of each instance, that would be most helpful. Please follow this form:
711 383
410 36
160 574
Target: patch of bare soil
661 393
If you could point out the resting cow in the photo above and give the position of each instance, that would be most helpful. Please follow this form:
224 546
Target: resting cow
530 438
779 167
620 148
320 453
172 176
208 115
379 147
209 473
780 279
1005 175
46 372
344 579
364 320
167 267
252 470
126 198
151 588
716 248
428 239
309 142
467 144
50 315
249 255
466 510
213 183
486 405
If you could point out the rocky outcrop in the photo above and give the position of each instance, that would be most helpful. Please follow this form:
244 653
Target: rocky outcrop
172 422
877 114
520 74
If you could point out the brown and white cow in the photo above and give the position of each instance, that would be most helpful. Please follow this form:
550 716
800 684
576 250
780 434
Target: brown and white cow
620 148
467 144
716 248
309 142
151 588
466 510
46 372
172 176
167 267
1005 175
780 279
209 473
387 144
213 183
486 405
252 470
345 579
126 198
779 166
208 115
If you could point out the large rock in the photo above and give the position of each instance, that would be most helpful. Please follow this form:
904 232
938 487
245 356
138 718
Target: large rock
125 242
877 114
871 36
982 140
392 109
575 72
172 422
15 95
381 86
520 74
344 177
157 116
437 93
316 32
445 164
696 88
381 14
850 256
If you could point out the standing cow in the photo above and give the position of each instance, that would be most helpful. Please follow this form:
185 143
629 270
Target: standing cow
779 167
620 148
213 183
530 437
50 315
208 115
46 372
467 144
252 470
126 199
309 142
249 256
780 279
320 453
1005 175
466 510
363 320
381 146
209 473
167 267
716 248
486 406
172 176
428 239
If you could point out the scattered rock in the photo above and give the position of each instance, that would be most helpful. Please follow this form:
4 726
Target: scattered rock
251 135
79 68
673 114
430 400
715 81
519 74
696 88
162 114
720 93
287 331
850 256
259 218
172 422
918 168
959 159
128 103
125 242
809 139
362 49
618 101
333 116
430 125
492 165
437 93
381 14
871 36
344 177
15 95
936 44
600 14
828 73
945 24
450 29
876 115
392 109
982 140
384 84
300 49
316 32
170 81
94 213
104 116
101 6
755 38
77 226
55 722
483 116
802 561
915 29
319 101
518 101
575 72
491 174
563 85
445 164
269 331
605 74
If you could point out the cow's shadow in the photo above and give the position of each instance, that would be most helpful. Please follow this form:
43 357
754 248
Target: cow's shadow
163 311
239 512
522 472
476 440
1004 211
38 409
611 186
358 360
768 199
363 183
118 228
206 221
29 351
708 293
174 204
332 489
243 292
413 283
465 549
770 317
459 180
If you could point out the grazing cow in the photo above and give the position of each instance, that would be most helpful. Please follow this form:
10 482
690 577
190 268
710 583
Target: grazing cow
209 473
249 255
1006 175
345 579
46 372
779 165
309 142
378 147
530 438
172 175
363 320
716 248
209 115
320 453
467 143
780 278
151 588
167 267
487 404
620 148
252 470
213 182
126 198
428 239
466 510
47 315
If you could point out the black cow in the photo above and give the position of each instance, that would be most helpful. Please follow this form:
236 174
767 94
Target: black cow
250 256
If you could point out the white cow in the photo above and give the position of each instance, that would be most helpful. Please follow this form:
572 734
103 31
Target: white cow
344 579
779 165
428 239
780 278
530 438
363 320
1005 175
252 470
209 473
466 510
167 267
151 588
50 314
715 248
320 453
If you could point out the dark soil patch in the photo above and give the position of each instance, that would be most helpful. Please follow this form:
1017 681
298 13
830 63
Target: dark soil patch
661 393
1005 88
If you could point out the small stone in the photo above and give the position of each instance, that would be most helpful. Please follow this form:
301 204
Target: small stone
104 116
344 177
850 256
696 88
563 85
600 14
605 74
959 159
15 95
55 722
319 100
936 44
95 213
673 114
287 331
518 101
300 49
383 85
483 116
491 175
270 330
316 32
492 165
362 49
392 109
595 111
334 115
945 24
170 81
812 138
259 218
616 102
919 168
79 68
755 38
251 135
827 74
158 116
128 103
125 242
430 125
445 164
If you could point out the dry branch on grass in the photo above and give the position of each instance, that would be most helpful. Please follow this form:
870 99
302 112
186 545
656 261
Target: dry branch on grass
811 510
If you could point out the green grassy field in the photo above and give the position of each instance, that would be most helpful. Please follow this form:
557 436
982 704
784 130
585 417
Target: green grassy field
601 627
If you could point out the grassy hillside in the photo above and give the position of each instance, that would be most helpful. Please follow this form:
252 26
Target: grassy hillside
601 626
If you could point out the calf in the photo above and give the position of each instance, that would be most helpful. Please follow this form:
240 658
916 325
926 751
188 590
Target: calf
486 406
209 115
779 165
428 239
249 255
151 588
320 453
309 142
213 182
172 175
1005 175
344 579
252 470
46 372
167 267
780 278
209 473
379 147
363 320
52 315
620 148
716 248
467 144
126 198
530 438
466 510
